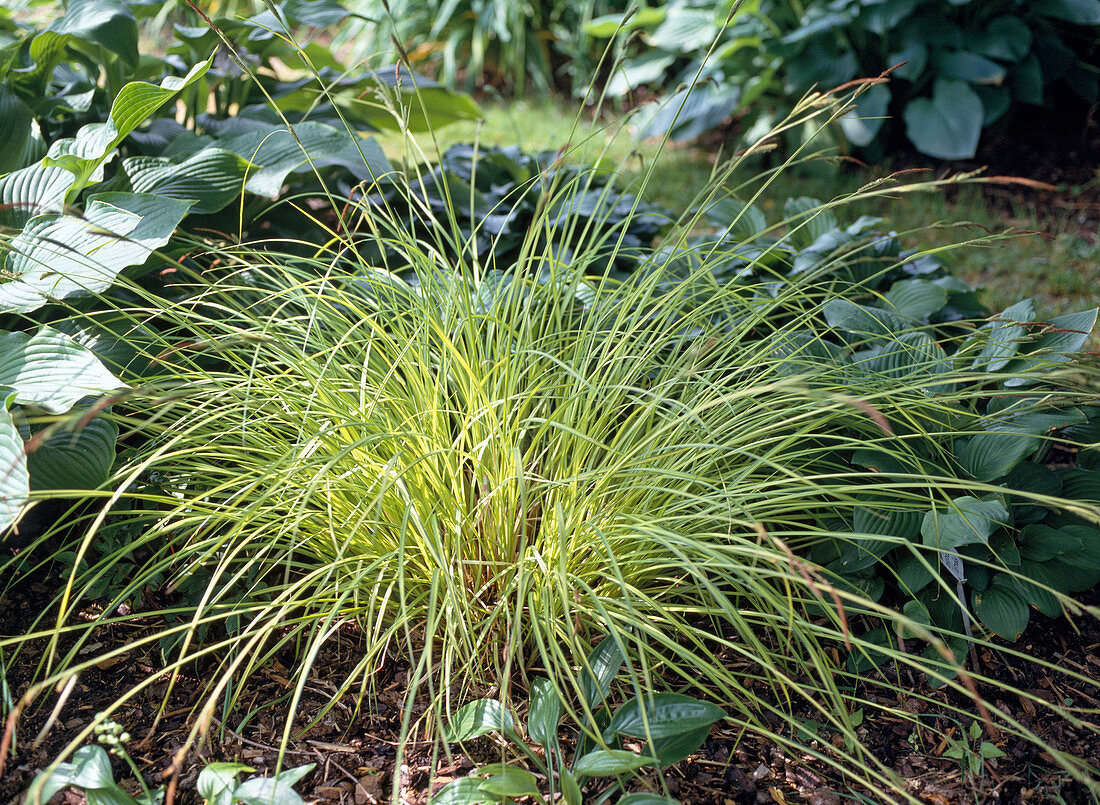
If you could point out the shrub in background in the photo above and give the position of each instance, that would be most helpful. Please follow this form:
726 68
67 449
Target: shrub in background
967 65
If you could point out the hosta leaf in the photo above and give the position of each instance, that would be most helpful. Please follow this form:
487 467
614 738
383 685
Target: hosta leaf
465 791
1039 543
962 65
19 133
32 191
79 459
808 220
609 763
684 30
509 781
1079 12
544 713
863 319
210 179
909 354
1001 610
947 125
478 718
108 22
1081 485
665 714
675 748
1004 335
645 69
608 24
645 798
1042 599
14 484
61 256
917 299
85 154
313 145
992 455
1005 38
51 371
600 669
217 781
966 520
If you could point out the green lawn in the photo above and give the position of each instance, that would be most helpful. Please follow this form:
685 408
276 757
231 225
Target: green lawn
1048 259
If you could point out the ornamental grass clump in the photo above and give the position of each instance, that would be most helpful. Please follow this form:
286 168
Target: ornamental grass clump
487 471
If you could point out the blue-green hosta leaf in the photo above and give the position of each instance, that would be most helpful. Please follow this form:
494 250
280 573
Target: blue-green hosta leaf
32 191
993 454
1039 576
62 256
478 718
873 323
962 65
947 125
1055 344
19 133
211 178
313 145
609 763
609 24
647 68
90 770
1001 610
84 155
687 113
74 459
809 220
1040 543
965 521
1079 484
917 299
646 798
1004 334
14 483
1005 38
276 790
108 22
909 355
49 370
544 712
664 714
1079 12
913 575
862 124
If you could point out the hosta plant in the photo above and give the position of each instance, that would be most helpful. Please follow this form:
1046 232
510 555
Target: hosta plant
671 725
960 66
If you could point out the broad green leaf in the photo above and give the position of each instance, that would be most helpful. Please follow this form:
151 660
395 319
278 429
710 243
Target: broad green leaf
862 124
1079 12
19 133
609 763
570 789
107 22
647 68
14 483
1001 610
62 256
217 781
1004 335
1042 599
962 65
645 798
609 24
863 319
84 155
684 30
477 718
266 791
675 748
32 191
1005 38
509 781
464 791
50 370
910 354
965 521
600 669
662 715
917 299
992 455
278 153
1065 335
1039 543
544 713
947 125
79 459
808 220
210 179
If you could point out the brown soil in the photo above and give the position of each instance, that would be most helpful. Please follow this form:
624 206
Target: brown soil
355 744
